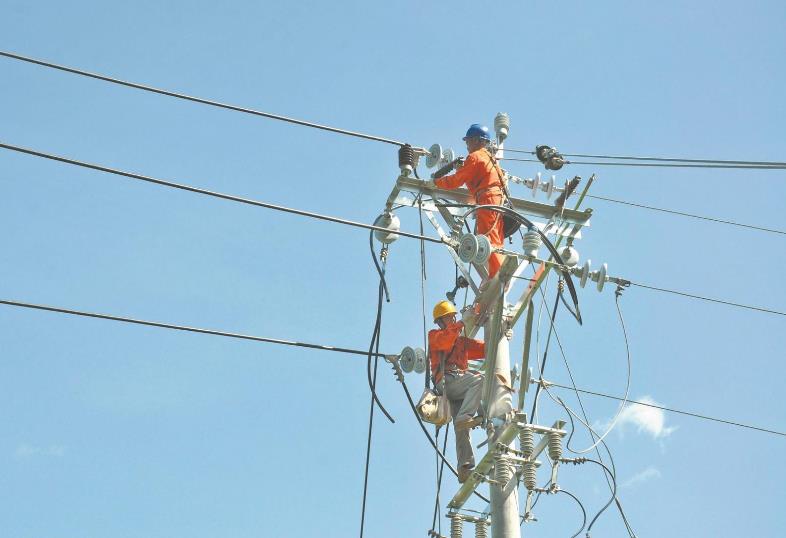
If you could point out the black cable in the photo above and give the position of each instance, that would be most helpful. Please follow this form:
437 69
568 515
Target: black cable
183 328
659 159
375 336
440 472
661 165
586 419
545 354
583 512
199 99
691 215
613 494
431 440
370 416
729 303
197 190
375 340
380 272
555 254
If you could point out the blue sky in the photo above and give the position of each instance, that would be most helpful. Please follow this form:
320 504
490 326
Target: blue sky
118 430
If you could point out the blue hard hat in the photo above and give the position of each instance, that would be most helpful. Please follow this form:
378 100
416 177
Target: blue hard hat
477 130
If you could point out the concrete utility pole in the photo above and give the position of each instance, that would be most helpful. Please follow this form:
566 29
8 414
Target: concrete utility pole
504 499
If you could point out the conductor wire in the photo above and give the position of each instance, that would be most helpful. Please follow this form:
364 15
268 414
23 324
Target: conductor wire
200 100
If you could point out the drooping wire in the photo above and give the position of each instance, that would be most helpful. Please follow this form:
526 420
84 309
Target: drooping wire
427 373
593 434
613 494
545 354
375 343
581 506
377 326
436 521
617 295
199 99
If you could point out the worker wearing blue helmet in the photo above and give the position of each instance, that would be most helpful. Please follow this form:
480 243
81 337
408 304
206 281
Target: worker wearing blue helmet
484 180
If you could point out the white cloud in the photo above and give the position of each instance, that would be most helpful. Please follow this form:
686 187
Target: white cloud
639 478
645 419
30 451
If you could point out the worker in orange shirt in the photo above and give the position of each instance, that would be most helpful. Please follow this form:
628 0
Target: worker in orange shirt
484 179
462 387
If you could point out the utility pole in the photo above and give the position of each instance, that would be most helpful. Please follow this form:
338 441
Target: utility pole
503 466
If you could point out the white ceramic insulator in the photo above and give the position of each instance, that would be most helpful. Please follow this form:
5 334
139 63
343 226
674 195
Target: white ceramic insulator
535 185
502 125
532 243
570 256
392 223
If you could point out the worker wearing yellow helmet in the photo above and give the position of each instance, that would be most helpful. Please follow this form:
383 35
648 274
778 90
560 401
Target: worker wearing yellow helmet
449 353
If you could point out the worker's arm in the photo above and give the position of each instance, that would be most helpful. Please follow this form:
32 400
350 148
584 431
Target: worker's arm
476 349
462 175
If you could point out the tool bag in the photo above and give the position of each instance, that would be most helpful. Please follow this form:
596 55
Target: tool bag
433 407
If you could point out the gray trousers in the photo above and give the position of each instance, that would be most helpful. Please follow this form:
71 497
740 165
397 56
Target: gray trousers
463 389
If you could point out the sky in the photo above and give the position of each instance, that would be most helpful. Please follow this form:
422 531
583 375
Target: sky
110 429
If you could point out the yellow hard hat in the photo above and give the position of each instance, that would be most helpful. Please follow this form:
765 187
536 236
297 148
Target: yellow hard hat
442 308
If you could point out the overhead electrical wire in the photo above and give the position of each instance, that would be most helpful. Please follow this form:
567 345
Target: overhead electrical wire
184 328
328 218
684 214
656 159
710 299
658 165
671 410
206 192
214 332
200 100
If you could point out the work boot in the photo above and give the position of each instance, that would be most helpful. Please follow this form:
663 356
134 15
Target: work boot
466 422
464 472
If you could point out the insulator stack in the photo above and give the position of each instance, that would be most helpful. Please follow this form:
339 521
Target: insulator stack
530 475
503 471
481 530
532 243
456 526
406 160
502 125
527 441
555 446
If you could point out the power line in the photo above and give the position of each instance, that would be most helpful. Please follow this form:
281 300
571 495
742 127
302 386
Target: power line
729 303
657 159
199 99
310 214
209 193
683 214
214 332
660 165
671 410
187 329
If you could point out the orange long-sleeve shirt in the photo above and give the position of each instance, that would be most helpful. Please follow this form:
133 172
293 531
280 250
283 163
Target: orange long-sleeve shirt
479 173
463 348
